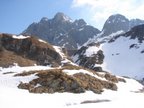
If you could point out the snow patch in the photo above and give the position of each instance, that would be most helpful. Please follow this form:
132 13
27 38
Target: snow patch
59 50
72 72
80 29
20 37
92 50
40 40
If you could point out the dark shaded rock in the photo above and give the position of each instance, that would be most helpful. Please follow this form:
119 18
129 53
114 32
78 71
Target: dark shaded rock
122 80
91 61
98 69
136 32
25 86
142 51
110 77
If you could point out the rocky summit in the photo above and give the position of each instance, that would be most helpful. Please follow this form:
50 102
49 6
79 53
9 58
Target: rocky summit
119 23
62 31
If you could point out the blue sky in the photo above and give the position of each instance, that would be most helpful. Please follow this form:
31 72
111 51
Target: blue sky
16 15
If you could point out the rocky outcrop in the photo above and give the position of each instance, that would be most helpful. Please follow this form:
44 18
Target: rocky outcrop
136 32
30 48
55 80
90 62
62 31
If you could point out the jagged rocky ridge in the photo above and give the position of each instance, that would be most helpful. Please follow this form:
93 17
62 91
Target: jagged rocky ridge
62 31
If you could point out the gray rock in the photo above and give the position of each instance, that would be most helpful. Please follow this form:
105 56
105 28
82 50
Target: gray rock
62 31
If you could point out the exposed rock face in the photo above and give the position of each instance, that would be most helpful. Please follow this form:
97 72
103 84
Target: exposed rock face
31 48
62 31
81 58
136 32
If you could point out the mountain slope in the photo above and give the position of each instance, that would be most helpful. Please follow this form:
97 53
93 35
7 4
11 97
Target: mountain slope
26 50
123 53
62 31
60 75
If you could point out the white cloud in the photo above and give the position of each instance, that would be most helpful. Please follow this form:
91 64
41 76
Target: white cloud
100 10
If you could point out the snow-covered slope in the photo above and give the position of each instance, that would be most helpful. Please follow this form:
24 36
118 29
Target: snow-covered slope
12 97
122 59
123 53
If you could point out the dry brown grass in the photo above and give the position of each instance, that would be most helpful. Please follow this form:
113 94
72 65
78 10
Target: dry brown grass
55 80
25 73
28 50
71 67
7 58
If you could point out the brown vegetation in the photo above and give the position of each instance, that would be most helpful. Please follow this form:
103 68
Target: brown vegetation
8 58
55 80
28 49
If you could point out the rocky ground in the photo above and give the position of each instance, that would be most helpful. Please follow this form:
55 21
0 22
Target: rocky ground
57 80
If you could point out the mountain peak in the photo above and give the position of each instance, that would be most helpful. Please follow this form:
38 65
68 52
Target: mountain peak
115 23
61 16
116 18
44 19
80 22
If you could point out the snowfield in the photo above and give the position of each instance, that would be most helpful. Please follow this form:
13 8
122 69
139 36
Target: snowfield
121 59
123 56
12 97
